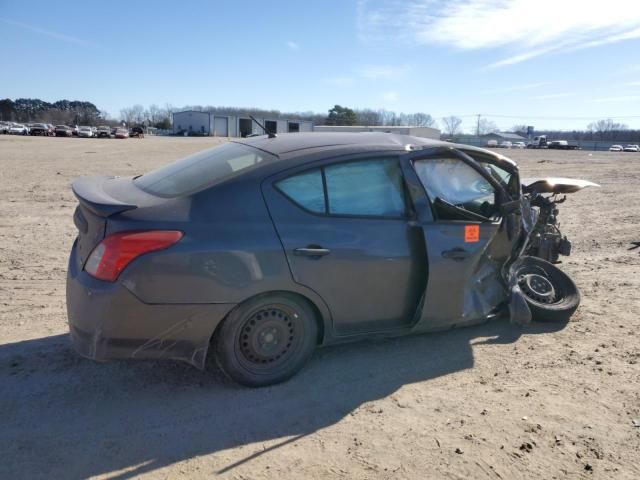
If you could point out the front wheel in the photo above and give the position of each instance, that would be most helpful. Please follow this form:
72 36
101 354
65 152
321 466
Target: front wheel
266 340
549 292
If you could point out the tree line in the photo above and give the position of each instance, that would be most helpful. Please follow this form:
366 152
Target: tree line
74 112
60 112
601 130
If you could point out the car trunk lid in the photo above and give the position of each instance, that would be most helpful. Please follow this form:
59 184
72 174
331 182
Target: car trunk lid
96 204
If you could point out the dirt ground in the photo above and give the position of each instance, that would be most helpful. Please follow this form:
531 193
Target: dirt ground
493 401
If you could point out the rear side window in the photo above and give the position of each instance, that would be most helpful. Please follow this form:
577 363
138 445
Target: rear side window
306 190
362 188
201 170
370 188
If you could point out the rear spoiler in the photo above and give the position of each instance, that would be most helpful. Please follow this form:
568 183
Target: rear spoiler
91 194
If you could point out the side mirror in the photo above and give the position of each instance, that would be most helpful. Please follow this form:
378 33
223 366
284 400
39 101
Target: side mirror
508 208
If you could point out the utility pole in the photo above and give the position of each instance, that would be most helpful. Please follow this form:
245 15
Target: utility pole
478 127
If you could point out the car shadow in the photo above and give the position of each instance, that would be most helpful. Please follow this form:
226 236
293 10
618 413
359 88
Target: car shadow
67 417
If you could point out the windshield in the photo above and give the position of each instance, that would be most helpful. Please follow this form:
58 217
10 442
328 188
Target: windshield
201 170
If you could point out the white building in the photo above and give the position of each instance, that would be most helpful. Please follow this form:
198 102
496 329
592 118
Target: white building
210 124
425 132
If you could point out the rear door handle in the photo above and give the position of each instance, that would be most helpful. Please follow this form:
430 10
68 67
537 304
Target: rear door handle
312 251
458 254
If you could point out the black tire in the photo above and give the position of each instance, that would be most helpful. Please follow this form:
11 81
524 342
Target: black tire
265 340
550 293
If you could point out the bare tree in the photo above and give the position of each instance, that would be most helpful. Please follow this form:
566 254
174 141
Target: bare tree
424 120
388 118
368 117
133 115
607 129
485 126
519 129
452 125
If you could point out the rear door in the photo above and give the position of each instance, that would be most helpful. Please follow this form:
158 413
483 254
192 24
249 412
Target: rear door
466 241
347 234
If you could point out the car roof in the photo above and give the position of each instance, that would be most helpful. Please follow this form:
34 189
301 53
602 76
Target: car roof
286 143
295 146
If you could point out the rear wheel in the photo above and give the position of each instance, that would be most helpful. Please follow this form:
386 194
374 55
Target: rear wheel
550 293
266 340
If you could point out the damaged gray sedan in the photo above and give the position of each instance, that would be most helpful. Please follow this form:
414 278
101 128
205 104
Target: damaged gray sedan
251 254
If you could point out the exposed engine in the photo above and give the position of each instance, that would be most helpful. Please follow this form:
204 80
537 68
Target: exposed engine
546 241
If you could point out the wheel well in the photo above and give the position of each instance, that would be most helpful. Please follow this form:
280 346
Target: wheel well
316 311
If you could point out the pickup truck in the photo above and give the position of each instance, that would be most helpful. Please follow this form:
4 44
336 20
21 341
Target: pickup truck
542 142
103 131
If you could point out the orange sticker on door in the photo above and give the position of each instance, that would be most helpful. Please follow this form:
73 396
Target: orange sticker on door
471 233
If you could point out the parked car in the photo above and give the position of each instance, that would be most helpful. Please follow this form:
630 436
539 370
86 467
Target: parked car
519 145
103 132
85 132
4 127
505 144
492 144
254 252
616 148
39 129
19 129
121 133
74 130
63 131
632 148
136 132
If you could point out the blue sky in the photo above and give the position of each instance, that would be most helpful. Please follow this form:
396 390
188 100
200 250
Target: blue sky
547 63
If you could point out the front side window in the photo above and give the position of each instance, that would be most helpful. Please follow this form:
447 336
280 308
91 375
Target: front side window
201 170
368 188
457 191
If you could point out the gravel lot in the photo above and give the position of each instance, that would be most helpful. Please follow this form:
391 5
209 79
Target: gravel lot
493 401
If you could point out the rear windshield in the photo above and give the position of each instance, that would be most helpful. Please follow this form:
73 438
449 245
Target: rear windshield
201 170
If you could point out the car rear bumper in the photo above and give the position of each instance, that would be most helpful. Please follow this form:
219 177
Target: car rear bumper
106 321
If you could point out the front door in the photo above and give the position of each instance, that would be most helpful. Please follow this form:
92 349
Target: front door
466 241
347 236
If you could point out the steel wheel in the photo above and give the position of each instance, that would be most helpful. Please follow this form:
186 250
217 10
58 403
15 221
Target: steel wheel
539 288
266 340
267 337
550 294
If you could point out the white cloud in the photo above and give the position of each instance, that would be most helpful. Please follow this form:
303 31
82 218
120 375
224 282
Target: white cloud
628 98
293 45
339 81
554 95
370 73
525 27
390 96
382 72
517 88
50 33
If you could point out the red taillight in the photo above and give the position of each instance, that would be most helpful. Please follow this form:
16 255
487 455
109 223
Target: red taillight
114 253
